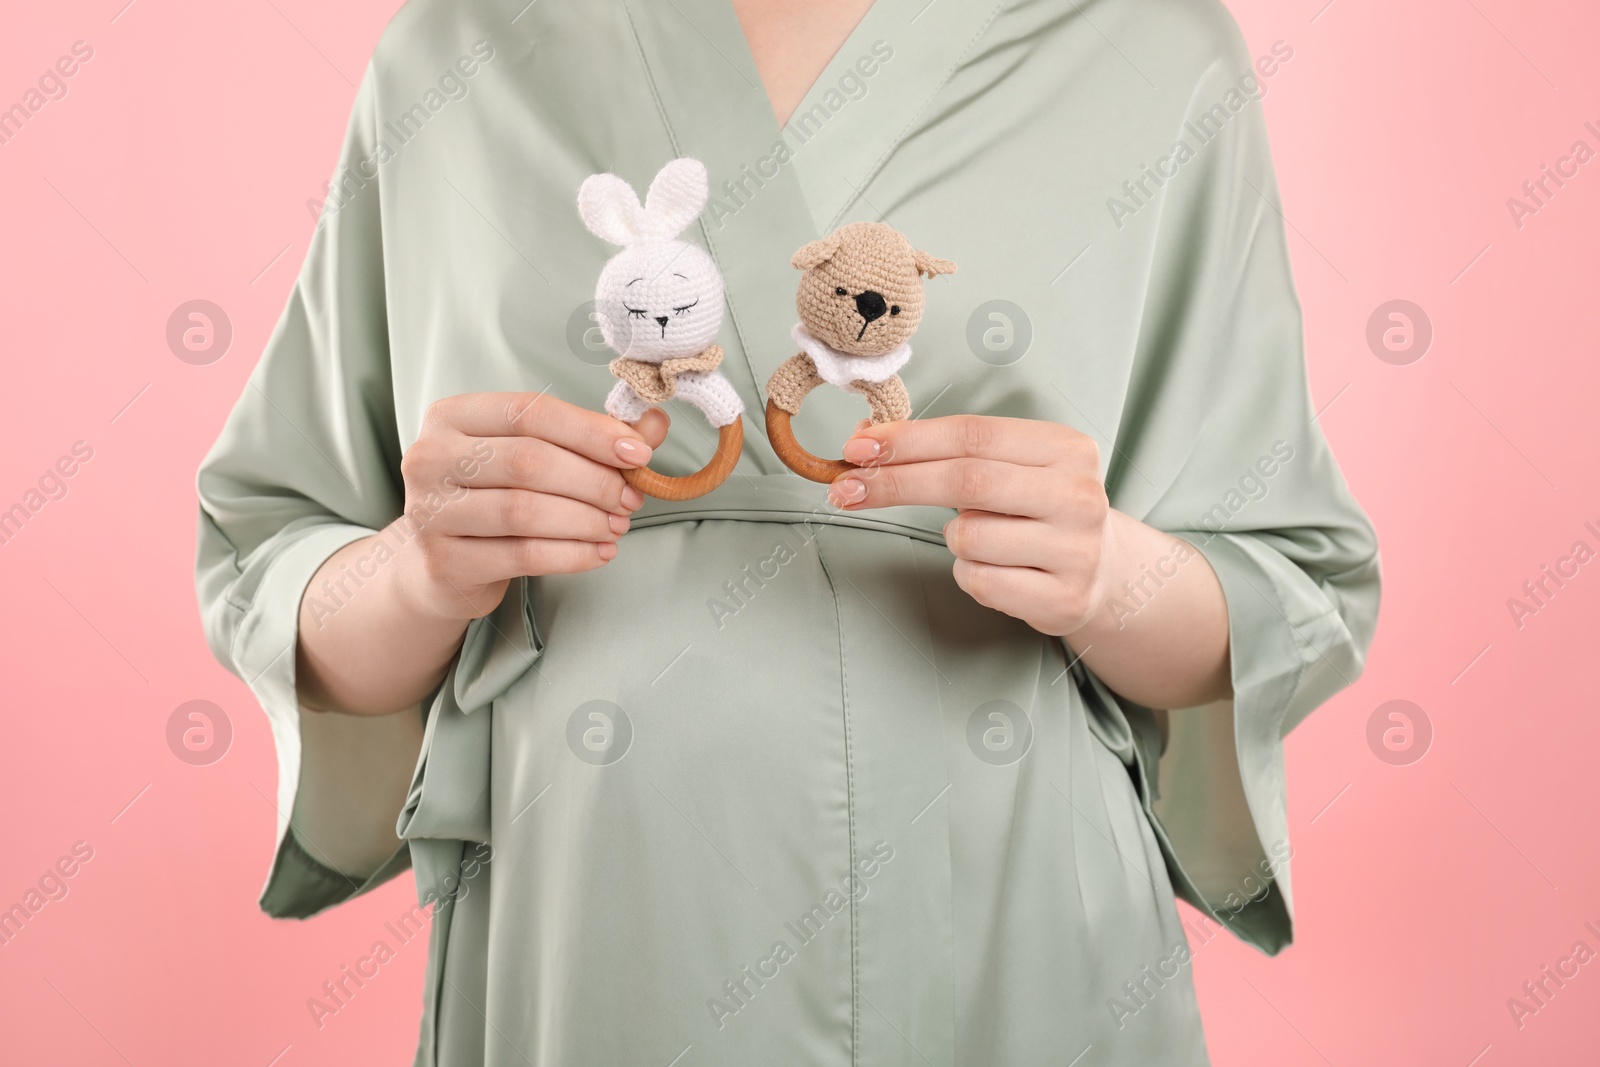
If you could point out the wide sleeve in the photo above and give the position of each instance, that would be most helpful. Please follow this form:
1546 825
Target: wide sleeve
307 462
1219 445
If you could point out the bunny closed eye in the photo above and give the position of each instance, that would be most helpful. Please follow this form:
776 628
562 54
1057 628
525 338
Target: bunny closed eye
662 320
659 304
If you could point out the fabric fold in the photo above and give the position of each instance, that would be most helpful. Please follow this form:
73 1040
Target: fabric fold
498 649
253 626
1301 651
447 809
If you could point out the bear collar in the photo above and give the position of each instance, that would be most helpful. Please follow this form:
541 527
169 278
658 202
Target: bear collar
840 369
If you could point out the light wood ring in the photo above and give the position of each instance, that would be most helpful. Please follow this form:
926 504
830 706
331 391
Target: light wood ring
730 442
780 435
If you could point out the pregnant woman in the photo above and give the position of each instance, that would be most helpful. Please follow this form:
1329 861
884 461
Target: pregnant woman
908 769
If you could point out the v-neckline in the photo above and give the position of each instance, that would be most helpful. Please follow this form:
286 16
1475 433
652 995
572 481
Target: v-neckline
837 157
896 58
772 104
770 188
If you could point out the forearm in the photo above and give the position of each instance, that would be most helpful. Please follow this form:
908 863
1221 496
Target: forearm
365 648
1160 633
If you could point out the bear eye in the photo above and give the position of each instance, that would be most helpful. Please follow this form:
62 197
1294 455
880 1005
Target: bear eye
840 291
637 313
894 309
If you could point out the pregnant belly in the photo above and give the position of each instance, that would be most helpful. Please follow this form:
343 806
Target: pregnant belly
770 786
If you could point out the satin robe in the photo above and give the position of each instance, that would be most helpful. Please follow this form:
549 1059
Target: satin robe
769 787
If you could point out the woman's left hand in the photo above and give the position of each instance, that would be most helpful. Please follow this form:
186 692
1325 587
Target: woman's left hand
1033 526
1035 537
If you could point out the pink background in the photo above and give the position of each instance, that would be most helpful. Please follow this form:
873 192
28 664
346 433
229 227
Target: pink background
178 167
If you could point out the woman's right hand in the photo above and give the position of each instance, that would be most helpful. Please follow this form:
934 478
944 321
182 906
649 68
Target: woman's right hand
500 485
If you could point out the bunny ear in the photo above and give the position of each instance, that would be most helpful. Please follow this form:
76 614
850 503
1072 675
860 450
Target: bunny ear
610 208
675 198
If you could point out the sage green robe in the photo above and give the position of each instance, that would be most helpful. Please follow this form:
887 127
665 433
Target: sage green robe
768 787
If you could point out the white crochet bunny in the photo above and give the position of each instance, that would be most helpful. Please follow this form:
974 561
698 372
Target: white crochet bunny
659 300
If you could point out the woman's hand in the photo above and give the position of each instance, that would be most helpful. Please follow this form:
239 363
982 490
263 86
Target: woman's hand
506 484
1035 537
498 485
1030 533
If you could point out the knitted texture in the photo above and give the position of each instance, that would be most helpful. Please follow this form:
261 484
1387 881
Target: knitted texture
656 382
796 376
659 300
860 300
873 377
693 380
789 384
840 369
887 399
861 293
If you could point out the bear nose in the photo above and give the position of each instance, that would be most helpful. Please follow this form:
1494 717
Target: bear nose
871 305
662 319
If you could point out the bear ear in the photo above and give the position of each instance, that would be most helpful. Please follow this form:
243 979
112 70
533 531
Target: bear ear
611 209
816 252
932 266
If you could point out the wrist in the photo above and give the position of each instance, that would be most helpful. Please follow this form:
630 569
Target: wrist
415 593
1102 586
1115 592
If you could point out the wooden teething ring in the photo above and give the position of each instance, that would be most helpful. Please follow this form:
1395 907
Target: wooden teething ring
730 442
780 435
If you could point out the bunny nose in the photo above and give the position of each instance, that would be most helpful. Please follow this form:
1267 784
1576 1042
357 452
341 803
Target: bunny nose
662 319
871 305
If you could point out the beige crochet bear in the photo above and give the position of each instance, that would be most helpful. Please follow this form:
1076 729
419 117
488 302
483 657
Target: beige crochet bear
860 301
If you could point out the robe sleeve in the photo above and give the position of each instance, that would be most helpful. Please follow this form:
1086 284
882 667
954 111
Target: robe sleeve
307 462
1219 445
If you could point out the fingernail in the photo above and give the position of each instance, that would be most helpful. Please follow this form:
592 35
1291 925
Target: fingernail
862 450
632 499
608 551
848 491
631 451
618 523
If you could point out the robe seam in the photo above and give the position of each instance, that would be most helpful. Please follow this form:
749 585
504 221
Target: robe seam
781 517
738 330
950 846
850 811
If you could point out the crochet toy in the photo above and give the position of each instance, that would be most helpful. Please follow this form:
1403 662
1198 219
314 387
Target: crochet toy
860 300
659 304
